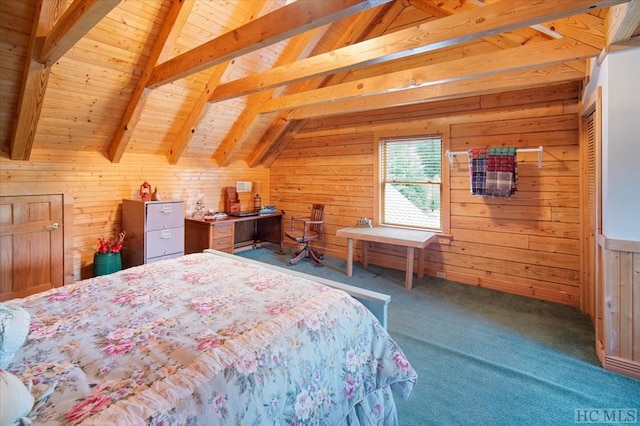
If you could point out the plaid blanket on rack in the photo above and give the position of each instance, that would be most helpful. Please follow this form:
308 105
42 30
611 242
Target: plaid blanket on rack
502 174
478 170
493 171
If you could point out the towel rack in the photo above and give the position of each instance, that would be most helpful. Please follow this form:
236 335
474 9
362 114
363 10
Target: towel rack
539 150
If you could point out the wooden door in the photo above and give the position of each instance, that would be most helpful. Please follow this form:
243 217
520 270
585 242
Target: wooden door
589 219
31 244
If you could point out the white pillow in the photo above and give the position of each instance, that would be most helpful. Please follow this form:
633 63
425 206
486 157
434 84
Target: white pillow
14 327
15 400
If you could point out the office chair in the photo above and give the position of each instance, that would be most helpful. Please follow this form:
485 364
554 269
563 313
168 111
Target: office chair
305 229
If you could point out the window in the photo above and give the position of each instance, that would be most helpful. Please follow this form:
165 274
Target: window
411 182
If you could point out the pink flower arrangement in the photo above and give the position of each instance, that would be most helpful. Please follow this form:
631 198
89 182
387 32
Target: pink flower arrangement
112 245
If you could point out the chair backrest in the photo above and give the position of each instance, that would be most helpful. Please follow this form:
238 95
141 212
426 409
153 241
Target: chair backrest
317 214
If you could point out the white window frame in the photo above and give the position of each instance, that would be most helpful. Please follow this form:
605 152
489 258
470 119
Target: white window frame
445 209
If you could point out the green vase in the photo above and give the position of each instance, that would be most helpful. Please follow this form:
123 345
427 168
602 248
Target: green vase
106 263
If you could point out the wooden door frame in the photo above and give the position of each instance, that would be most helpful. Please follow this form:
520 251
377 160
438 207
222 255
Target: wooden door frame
592 300
11 189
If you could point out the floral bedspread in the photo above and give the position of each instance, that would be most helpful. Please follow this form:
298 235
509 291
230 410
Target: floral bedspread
205 339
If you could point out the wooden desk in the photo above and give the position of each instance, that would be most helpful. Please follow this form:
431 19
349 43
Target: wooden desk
232 233
410 238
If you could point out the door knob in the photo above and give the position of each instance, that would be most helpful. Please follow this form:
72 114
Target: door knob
52 227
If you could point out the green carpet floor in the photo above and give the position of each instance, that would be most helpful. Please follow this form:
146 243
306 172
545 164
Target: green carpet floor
487 358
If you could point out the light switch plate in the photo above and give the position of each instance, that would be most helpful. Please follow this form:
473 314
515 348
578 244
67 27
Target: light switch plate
243 186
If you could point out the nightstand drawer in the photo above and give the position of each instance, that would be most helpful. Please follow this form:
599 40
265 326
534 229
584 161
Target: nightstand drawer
164 216
164 241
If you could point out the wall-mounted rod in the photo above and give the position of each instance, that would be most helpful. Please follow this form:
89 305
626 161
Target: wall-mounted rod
539 150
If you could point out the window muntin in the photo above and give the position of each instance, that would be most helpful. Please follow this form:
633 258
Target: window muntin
411 182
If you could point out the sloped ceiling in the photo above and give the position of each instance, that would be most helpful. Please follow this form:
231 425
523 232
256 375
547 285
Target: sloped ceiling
232 80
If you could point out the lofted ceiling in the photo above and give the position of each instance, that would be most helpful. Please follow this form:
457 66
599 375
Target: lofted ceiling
233 80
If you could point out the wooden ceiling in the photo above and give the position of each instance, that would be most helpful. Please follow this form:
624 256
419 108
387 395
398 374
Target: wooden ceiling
233 80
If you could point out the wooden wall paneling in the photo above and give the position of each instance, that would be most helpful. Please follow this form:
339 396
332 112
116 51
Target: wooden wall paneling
528 244
626 304
620 306
93 190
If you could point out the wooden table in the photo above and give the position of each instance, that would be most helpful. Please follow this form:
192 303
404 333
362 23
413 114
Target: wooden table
409 238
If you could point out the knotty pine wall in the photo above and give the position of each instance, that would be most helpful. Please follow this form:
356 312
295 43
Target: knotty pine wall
527 245
97 188
618 322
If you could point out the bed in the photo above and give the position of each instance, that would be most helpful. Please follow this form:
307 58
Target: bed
208 339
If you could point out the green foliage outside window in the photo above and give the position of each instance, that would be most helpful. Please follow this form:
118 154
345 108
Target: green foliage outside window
411 177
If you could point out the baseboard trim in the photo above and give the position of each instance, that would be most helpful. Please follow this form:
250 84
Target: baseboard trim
622 366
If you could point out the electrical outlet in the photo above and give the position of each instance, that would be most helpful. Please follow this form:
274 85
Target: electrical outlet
441 275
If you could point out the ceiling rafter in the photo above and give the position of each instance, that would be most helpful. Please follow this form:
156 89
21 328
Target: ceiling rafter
275 140
195 116
585 28
283 23
300 46
171 28
279 136
512 80
446 69
432 35
622 25
429 7
50 39
77 20
623 22
199 110
245 39
579 27
529 55
271 148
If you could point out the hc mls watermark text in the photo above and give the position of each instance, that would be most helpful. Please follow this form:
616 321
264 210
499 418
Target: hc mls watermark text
605 415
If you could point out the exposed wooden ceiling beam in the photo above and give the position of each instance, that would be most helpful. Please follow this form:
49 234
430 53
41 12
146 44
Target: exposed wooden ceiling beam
77 20
195 116
201 107
622 22
585 28
429 7
170 29
34 81
370 24
512 80
300 46
530 55
283 23
280 130
507 40
465 26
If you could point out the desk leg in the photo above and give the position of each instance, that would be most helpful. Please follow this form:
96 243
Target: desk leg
281 232
365 254
408 282
349 256
420 263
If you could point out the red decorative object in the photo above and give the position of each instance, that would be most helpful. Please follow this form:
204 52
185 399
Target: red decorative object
111 245
145 192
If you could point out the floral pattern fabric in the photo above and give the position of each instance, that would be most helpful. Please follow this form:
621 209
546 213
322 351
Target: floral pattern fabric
205 339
